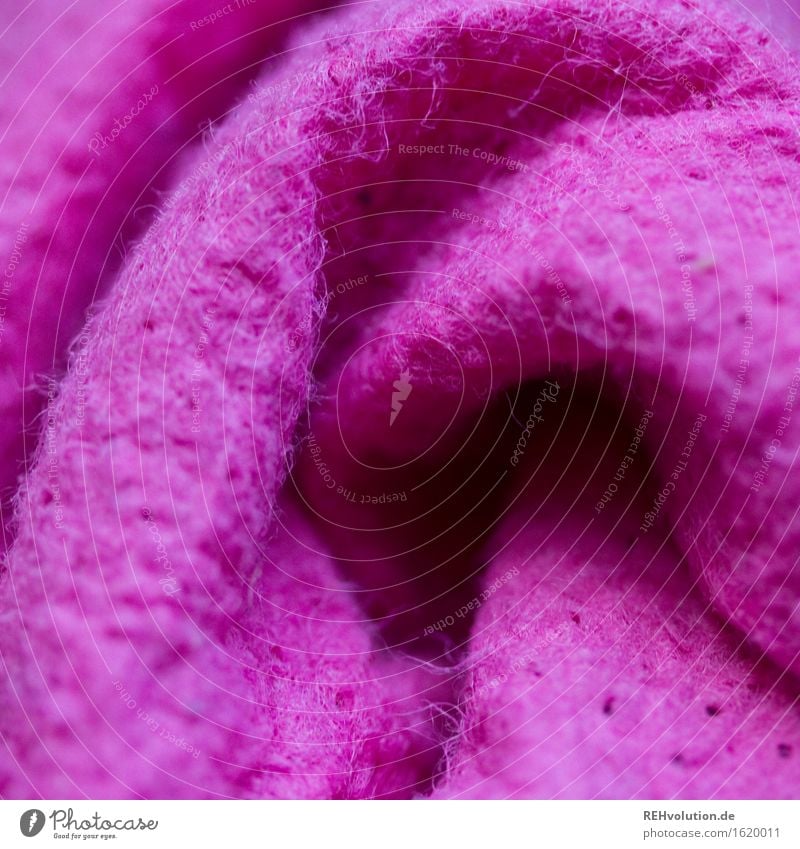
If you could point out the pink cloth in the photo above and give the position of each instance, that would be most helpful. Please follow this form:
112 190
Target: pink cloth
438 437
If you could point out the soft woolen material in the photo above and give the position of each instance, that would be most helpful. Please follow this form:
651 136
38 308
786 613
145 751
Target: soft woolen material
97 103
439 437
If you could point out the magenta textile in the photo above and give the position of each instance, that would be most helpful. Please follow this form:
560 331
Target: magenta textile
399 400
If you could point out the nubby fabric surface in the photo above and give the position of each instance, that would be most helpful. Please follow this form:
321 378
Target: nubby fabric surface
435 435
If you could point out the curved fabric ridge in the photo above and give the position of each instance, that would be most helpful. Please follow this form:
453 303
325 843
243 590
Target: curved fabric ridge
327 319
97 104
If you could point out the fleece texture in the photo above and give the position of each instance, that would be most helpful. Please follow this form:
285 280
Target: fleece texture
439 436
97 102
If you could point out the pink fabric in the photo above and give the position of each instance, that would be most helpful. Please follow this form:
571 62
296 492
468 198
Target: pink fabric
97 104
438 437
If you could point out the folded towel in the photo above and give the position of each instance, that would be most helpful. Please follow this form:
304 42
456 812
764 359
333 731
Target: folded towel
438 435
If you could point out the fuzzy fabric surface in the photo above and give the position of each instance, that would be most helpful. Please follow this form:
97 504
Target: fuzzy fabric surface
437 432
97 102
